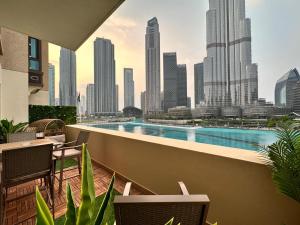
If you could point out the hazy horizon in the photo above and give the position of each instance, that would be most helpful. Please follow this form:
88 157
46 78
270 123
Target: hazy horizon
275 41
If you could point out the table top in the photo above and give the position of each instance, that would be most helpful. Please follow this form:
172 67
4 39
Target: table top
24 144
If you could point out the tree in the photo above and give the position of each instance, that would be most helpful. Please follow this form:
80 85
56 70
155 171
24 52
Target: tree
131 111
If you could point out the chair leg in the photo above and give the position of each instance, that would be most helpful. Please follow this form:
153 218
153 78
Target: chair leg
61 173
79 164
51 187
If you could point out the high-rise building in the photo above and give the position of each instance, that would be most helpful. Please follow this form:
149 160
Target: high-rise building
189 102
181 85
230 78
67 82
285 87
128 87
117 98
82 105
199 83
170 80
51 83
143 101
296 98
104 76
152 45
90 99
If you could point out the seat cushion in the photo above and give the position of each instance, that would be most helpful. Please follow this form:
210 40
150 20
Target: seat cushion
68 153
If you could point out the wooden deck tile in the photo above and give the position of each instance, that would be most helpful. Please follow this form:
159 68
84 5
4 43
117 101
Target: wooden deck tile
25 207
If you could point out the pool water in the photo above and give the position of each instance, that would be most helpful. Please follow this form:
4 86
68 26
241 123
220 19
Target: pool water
236 138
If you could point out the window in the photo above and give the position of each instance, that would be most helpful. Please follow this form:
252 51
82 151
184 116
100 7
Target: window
34 54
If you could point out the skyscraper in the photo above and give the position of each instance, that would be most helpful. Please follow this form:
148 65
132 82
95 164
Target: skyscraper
285 89
90 99
128 87
104 76
170 80
199 83
117 98
181 85
67 81
230 78
51 84
143 101
152 45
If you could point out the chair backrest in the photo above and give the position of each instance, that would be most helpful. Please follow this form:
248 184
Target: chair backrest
21 136
26 164
82 138
159 209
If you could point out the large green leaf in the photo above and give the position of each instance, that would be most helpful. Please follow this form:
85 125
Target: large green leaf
71 209
170 222
86 208
284 159
43 216
105 202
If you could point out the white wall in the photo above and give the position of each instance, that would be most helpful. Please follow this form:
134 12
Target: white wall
14 96
39 98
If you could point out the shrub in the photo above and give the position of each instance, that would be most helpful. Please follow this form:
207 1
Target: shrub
65 113
8 127
284 159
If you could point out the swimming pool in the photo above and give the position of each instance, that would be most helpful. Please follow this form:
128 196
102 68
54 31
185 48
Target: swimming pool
236 138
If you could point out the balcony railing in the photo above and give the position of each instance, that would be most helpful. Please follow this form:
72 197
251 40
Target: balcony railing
236 181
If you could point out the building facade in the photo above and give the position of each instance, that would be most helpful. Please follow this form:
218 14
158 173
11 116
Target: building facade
152 47
170 80
51 84
143 101
230 77
181 85
199 83
67 81
128 87
285 88
104 76
117 98
90 99
23 74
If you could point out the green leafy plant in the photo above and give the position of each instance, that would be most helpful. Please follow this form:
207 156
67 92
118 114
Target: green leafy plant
65 113
8 127
284 159
171 221
85 214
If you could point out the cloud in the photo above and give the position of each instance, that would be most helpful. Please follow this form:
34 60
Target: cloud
120 22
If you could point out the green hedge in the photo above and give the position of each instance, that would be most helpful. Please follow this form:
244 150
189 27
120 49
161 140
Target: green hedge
65 113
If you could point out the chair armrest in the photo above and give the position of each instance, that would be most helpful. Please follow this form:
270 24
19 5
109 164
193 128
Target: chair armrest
66 148
127 189
183 188
70 142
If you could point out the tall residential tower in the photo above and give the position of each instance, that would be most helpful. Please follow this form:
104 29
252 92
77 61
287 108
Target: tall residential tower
230 77
67 82
128 87
152 46
104 76
199 83
51 83
90 99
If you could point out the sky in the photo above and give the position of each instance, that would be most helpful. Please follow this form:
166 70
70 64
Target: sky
275 41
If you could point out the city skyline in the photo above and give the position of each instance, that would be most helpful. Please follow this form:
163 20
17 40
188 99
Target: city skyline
191 44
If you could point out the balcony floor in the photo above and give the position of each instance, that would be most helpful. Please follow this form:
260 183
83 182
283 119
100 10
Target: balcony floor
25 207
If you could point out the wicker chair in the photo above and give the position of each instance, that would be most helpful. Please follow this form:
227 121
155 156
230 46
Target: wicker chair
21 136
50 127
24 165
158 209
70 150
